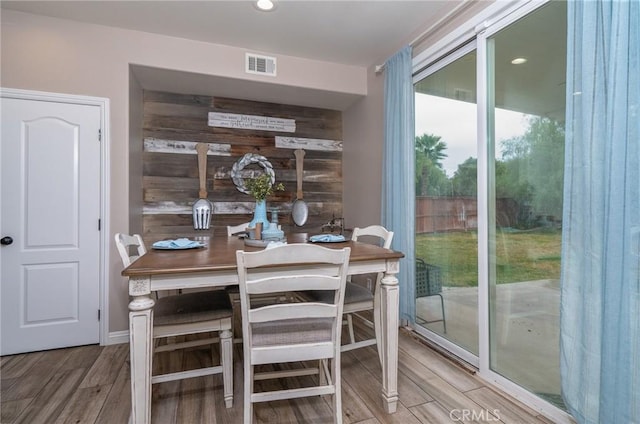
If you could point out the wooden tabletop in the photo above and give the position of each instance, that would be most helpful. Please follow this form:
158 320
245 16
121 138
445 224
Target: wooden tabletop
219 255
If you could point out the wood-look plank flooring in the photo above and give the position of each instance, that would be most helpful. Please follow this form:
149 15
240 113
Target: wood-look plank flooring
90 384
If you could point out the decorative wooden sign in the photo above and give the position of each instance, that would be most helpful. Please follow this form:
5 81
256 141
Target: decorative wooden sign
308 144
251 122
183 147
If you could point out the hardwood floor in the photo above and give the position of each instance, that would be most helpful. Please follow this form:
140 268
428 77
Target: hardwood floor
90 384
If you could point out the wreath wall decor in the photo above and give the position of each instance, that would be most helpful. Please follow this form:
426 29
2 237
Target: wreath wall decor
248 159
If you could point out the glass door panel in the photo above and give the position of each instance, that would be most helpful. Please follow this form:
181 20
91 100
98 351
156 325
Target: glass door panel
446 204
527 71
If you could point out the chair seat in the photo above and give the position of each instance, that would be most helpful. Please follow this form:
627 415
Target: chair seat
354 293
291 331
192 307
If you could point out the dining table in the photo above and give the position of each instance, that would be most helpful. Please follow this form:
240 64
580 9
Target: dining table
214 265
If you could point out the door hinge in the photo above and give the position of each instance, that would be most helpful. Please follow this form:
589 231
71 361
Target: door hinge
100 134
98 314
99 224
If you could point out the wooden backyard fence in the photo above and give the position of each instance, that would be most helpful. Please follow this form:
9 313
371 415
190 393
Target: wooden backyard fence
440 214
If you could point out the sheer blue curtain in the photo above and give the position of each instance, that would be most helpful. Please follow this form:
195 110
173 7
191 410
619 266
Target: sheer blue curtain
600 309
398 185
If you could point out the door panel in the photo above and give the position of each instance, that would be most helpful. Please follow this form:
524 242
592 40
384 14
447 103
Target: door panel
50 181
50 156
51 281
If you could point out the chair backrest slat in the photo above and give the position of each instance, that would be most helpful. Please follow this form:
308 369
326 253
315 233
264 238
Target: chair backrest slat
291 283
292 311
303 255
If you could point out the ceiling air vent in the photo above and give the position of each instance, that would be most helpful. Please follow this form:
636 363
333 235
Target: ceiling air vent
261 65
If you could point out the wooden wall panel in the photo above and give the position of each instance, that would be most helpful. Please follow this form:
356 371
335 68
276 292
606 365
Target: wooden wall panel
174 123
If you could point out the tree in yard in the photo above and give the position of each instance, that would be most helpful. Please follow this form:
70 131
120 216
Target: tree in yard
465 179
535 166
431 179
432 147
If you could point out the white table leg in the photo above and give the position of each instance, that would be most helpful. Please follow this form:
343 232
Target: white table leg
140 350
388 340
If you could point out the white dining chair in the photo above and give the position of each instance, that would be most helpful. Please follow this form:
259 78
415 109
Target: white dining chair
234 229
358 297
292 332
188 314
130 247
362 291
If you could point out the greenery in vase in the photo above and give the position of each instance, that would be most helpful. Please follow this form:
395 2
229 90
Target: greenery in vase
260 188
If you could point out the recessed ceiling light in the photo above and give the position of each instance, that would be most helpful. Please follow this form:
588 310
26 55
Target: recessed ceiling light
265 5
519 61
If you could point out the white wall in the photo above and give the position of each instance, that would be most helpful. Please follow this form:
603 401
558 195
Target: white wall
363 130
48 54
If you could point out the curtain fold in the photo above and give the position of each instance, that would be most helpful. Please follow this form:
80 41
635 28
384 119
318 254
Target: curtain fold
600 297
398 196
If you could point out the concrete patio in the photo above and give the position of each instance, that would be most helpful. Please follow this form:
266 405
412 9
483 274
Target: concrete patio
525 334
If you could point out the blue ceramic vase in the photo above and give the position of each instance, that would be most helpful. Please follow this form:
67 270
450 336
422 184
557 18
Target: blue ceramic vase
260 215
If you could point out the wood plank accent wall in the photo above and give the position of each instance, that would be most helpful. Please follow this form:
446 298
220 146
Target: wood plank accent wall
174 123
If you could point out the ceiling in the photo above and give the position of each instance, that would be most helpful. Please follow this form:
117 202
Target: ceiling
359 33
356 33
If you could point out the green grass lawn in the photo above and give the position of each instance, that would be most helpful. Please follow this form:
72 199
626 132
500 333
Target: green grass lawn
520 255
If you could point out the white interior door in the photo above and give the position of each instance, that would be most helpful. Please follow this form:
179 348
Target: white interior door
49 224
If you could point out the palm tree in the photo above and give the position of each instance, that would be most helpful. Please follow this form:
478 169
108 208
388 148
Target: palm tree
430 151
432 147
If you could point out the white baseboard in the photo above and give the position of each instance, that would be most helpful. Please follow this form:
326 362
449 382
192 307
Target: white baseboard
118 337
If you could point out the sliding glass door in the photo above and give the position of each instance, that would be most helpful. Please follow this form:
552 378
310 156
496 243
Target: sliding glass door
446 203
489 188
526 70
